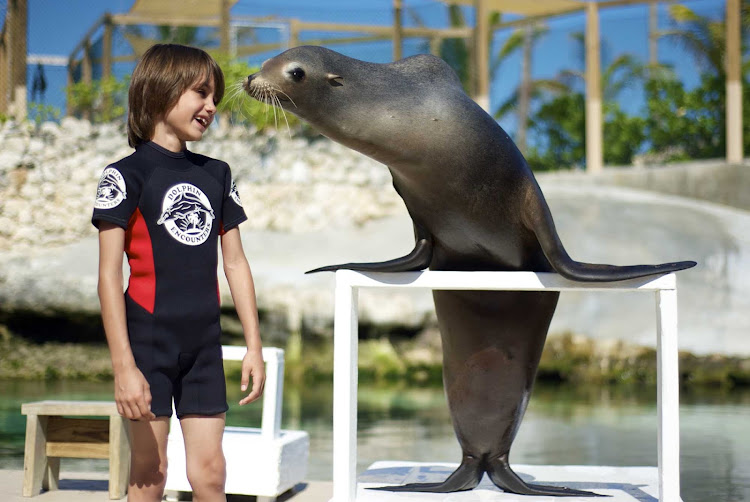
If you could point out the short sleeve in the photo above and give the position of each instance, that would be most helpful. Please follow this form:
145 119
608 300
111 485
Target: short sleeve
116 197
232 212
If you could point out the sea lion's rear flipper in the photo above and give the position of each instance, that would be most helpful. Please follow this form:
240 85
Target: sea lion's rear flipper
538 218
503 477
418 259
466 477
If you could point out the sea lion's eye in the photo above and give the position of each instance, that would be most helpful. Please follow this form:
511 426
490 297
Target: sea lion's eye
297 74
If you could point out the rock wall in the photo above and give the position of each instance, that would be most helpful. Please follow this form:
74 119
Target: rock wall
48 178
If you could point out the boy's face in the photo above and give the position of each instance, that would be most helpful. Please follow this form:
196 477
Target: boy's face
193 113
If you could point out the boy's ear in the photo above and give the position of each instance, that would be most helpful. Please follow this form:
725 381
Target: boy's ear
335 80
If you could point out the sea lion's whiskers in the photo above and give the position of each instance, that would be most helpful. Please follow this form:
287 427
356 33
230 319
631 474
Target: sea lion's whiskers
273 105
283 114
287 97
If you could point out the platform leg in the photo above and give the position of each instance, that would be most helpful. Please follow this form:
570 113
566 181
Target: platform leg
345 392
35 455
51 480
119 457
668 400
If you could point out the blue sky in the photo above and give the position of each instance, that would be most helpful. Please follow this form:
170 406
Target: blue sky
56 27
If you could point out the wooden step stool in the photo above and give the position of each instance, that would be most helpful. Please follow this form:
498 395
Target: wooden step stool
65 429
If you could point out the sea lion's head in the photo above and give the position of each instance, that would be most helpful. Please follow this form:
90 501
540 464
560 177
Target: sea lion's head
299 81
384 110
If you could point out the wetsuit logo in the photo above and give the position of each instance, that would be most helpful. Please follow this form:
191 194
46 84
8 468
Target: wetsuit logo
111 190
187 214
234 194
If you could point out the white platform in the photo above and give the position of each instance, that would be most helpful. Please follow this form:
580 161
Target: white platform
348 284
255 465
620 484
265 461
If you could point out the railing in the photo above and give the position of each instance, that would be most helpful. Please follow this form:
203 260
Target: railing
348 284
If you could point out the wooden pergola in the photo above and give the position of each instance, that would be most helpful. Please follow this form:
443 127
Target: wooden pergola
540 9
216 13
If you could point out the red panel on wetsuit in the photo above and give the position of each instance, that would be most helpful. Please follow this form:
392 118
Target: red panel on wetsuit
142 284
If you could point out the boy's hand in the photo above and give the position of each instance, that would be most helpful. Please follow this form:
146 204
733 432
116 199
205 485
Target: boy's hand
253 366
133 395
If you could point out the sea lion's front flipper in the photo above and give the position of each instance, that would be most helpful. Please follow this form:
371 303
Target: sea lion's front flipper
418 259
538 218
466 477
503 477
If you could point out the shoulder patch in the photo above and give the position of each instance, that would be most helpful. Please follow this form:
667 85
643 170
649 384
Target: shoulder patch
234 194
111 190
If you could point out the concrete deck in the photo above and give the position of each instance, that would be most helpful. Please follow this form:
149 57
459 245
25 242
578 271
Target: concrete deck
92 487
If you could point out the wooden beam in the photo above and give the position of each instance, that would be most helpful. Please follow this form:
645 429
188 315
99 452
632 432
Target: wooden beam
606 4
733 59
89 34
594 151
128 19
386 30
482 51
249 50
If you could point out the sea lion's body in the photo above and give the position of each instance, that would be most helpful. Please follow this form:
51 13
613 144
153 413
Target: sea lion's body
475 206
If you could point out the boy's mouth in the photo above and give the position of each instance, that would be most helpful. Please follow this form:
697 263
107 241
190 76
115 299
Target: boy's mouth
203 121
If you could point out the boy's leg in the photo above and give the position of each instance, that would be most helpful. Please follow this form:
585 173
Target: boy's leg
206 467
148 459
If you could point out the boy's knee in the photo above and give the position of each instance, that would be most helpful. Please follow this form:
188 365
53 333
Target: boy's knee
208 472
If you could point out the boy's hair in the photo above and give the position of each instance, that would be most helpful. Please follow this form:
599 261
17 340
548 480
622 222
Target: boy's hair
161 76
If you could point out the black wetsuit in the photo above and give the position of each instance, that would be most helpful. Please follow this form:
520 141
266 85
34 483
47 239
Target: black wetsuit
173 206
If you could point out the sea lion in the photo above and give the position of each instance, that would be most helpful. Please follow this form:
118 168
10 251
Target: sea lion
475 206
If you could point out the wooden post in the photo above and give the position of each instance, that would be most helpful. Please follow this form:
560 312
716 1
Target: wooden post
35 455
734 84
119 456
107 48
70 80
224 26
524 93
4 72
397 30
293 33
17 20
594 154
481 49
87 74
653 34
435 43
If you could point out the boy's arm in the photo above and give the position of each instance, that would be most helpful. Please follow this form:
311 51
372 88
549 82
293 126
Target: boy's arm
132 392
242 287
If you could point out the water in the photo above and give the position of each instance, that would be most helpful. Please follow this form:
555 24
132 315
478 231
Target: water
563 425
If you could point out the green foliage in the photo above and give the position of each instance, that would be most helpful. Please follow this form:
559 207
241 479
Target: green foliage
693 120
39 112
240 108
560 121
101 100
